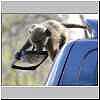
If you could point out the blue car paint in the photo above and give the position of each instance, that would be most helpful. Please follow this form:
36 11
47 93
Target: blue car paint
81 70
68 63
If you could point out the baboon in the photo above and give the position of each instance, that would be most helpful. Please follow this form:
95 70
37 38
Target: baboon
50 34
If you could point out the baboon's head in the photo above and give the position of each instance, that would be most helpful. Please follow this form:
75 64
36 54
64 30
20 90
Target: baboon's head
39 36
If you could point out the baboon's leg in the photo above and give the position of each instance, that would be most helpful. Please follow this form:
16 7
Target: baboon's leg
50 49
62 41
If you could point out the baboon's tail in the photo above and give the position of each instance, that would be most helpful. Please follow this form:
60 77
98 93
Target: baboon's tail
75 26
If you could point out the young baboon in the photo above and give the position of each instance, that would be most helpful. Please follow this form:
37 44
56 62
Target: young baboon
50 34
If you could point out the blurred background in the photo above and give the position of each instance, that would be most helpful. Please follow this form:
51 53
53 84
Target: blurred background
14 35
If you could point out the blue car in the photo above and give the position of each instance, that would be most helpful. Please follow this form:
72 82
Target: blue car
77 62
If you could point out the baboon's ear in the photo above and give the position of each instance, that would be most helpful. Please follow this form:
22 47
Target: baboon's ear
48 32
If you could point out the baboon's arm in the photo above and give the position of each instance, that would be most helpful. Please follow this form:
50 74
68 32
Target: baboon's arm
26 45
20 53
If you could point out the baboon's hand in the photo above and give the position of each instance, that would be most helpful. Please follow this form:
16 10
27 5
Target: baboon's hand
18 55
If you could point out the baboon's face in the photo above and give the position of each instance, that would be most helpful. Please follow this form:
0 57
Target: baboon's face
38 36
